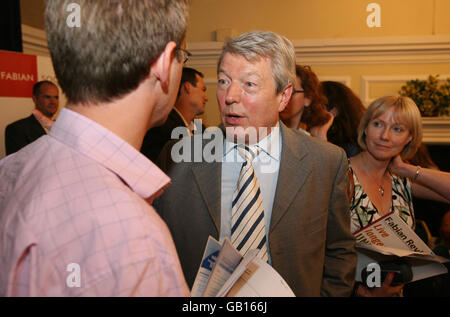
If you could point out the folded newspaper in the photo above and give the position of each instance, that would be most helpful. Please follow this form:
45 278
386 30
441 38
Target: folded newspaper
224 272
390 237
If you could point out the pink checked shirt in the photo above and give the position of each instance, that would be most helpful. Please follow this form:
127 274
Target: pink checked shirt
74 222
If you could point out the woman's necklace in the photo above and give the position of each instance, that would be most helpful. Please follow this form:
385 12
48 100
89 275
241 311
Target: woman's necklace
381 190
380 184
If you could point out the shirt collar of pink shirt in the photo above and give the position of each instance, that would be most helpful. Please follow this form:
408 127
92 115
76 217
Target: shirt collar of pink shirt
109 150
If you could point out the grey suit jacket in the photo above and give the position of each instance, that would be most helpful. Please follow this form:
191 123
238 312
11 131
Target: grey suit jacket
309 238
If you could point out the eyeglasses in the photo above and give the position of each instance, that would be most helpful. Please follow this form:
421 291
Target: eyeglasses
186 54
297 91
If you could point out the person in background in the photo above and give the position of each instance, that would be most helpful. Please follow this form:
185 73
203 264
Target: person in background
74 213
25 131
390 132
429 211
423 158
306 110
442 282
436 286
191 102
347 110
443 244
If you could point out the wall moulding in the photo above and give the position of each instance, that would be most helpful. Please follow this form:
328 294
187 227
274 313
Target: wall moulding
436 130
34 41
327 51
369 81
348 51
345 79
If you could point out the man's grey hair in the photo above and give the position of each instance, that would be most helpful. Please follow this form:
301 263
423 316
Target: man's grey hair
255 45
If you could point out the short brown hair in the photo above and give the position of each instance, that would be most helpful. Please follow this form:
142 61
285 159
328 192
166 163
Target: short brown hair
37 87
190 75
316 114
350 109
110 54
405 111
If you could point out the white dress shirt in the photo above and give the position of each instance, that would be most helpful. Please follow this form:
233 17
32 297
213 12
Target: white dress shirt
266 166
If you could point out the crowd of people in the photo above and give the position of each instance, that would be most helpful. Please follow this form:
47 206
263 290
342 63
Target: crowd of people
85 189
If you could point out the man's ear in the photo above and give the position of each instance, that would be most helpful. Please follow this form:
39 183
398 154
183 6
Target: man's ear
187 86
163 64
285 97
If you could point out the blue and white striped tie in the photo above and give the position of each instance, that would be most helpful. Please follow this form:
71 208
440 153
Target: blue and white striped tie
248 229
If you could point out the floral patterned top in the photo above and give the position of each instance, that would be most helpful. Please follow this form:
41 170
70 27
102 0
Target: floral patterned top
364 212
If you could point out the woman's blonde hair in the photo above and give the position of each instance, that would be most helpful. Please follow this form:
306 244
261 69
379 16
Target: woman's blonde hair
405 112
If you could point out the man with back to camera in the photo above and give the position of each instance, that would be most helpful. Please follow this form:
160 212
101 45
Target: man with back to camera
191 102
74 218
25 131
287 196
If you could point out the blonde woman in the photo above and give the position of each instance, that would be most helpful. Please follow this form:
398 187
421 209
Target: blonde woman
389 133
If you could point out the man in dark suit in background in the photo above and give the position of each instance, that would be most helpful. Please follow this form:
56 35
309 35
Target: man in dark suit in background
22 132
191 102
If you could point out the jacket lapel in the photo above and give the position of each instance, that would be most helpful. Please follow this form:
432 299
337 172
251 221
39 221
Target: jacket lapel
35 128
176 119
294 172
208 177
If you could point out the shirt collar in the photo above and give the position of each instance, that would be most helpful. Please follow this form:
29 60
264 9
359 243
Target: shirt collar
191 127
45 122
181 116
270 144
304 131
109 150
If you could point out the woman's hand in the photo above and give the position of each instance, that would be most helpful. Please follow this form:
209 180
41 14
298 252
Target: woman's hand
427 183
321 131
385 290
400 168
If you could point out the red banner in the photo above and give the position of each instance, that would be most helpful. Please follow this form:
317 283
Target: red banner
18 74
